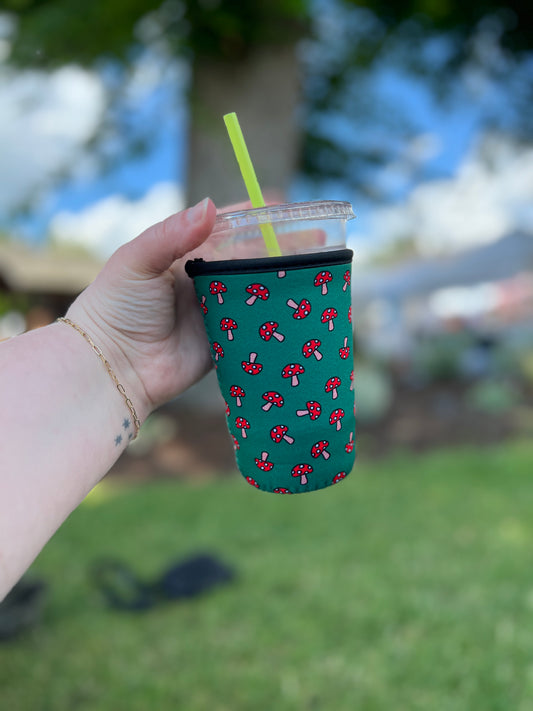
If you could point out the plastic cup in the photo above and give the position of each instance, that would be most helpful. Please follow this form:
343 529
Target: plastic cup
280 330
300 228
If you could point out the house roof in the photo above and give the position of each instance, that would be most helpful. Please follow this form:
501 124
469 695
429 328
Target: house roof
495 261
45 270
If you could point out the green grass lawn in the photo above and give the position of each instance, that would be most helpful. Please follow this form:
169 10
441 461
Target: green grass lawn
408 586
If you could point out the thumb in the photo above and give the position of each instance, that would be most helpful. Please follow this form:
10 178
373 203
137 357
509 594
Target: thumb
158 247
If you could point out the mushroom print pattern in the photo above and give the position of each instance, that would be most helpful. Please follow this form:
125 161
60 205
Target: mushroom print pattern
242 424
285 366
272 398
302 470
320 448
322 279
279 433
262 463
301 310
217 288
228 325
256 291
331 386
237 392
292 371
270 330
327 317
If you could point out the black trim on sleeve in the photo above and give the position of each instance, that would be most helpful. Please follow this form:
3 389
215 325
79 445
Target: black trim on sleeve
199 267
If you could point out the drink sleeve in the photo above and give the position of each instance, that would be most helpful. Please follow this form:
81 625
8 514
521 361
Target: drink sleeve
280 331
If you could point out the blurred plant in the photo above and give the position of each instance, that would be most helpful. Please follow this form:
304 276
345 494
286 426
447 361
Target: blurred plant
526 366
373 392
493 396
439 358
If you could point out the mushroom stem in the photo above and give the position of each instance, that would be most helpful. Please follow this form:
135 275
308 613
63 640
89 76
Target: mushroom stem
303 479
318 355
278 336
330 324
292 304
326 454
266 407
294 381
251 300
288 439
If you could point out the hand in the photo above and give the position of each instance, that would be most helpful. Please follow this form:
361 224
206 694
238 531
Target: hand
142 310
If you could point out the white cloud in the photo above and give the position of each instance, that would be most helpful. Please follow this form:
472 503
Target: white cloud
45 118
111 222
490 196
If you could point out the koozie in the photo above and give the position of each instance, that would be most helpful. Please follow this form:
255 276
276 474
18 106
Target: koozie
280 330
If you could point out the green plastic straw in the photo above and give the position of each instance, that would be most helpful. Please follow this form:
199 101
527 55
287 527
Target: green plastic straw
250 180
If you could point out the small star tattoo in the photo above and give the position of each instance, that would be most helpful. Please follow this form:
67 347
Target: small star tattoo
118 440
126 423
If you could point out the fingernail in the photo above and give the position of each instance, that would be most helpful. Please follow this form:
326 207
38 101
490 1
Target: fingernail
197 213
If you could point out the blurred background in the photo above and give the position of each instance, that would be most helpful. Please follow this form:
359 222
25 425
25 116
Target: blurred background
418 112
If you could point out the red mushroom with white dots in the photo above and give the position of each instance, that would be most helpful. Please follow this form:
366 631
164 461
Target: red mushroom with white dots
313 409
302 470
237 392
228 325
349 445
347 279
339 477
323 279
292 371
279 433
327 317
281 490
331 386
344 352
310 348
336 417
256 291
252 482
242 424
250 366
263 463
217 288
272 398
301 310
270 330
320 449
218 350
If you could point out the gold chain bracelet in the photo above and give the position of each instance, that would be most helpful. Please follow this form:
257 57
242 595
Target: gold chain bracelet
119 386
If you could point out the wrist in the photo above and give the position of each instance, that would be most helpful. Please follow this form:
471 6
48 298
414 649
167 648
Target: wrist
121 373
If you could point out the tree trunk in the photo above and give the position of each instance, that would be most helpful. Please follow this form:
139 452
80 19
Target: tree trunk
264 90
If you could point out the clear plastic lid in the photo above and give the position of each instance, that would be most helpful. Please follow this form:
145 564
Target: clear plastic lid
286 213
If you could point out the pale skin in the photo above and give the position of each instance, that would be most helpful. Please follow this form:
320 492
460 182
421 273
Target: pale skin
63 422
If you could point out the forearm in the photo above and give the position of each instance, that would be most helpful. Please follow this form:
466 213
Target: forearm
63 423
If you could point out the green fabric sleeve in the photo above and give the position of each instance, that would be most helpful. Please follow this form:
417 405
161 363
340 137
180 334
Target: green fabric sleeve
281 341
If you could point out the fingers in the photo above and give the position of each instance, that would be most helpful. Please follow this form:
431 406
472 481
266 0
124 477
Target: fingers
153 251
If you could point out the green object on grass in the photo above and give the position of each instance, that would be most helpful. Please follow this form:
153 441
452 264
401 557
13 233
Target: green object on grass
281 339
